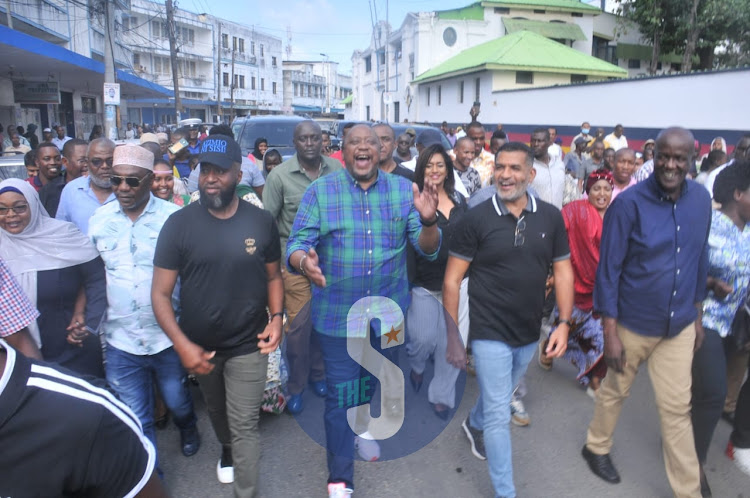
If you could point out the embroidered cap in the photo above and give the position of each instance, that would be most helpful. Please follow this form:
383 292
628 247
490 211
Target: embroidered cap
149 137
133 155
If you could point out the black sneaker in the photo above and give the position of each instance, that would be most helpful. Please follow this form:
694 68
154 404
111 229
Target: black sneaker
476 438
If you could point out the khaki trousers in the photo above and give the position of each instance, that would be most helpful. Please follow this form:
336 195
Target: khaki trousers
669 367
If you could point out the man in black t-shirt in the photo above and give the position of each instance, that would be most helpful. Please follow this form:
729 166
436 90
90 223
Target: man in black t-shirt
226 253
63 436
506 244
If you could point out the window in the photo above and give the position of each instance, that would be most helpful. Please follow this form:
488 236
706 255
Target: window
461 92
252 47
428 95
576 14
187 68
225 79
239 80
524 77
252 83
634 63
88 105
234 43
577 78
130 23
367 112
159 29
224 40
273 85
186 35
440 95
136 60
273 61
539 11
368 63
162 65
242 45
263 83
381 58
262 52
477 88
502 10
296 90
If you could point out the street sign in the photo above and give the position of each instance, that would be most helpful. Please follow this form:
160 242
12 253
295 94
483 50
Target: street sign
111 94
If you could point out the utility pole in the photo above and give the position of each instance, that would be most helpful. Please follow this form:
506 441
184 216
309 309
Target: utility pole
110 111
173 59
8 14
218 77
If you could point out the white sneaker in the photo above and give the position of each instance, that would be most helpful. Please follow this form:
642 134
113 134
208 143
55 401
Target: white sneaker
518 413
368 449
339 490
224 474
742 459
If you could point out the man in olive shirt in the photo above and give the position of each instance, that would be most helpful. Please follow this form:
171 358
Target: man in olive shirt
282 194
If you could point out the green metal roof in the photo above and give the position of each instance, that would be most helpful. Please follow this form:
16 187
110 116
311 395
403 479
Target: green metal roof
348 100
643 52
554 30
552 5
523 51
473 12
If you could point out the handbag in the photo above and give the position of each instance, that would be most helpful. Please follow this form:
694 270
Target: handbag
740 338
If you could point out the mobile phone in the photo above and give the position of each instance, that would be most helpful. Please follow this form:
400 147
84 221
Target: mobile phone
178 146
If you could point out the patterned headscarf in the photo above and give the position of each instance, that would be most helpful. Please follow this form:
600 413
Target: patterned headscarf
600 174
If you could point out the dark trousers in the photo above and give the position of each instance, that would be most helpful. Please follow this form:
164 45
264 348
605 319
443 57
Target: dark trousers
741 434
709 390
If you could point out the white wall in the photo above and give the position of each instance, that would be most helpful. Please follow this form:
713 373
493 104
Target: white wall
699 101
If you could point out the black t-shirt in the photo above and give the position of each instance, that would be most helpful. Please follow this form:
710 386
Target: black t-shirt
65 436
430 273
223 280
507 283
403 172
50 194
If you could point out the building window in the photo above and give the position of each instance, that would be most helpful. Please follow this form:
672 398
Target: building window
634 63
224 40
159 29
428 95
225 79
502 10
273 85
252 48
234 43
262 52
461 92
263 83
524 77
367 112
136 60
368 63
242 45
576 14
252 83
539 11
186 35
578 78
242 81
381 58
88 105
162 65
440 95
273 61
477 88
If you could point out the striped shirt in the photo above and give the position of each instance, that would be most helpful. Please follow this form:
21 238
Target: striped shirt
64 436
16 311
360 237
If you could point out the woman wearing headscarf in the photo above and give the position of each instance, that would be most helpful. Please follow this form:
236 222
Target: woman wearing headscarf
583 221
62 275
259 149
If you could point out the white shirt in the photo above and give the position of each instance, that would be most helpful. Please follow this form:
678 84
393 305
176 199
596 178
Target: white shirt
709 184
459 184
555 151
129 134
59 142
616 143
549 182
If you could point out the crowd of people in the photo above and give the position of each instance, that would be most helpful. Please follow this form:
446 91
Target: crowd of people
142 266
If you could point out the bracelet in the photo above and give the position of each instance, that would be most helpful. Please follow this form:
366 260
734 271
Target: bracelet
566 321
302 264
429 223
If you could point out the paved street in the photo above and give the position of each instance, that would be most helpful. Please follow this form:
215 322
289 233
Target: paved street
547 458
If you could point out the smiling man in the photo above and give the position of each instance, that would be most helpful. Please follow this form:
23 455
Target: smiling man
623 171
49 161
649 288
138 352
349 236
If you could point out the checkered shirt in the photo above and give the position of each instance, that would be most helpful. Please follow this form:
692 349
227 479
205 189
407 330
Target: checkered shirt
16 311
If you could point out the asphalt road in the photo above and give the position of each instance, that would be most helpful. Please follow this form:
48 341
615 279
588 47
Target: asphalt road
546 454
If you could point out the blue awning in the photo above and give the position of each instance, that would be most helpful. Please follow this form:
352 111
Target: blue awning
32 58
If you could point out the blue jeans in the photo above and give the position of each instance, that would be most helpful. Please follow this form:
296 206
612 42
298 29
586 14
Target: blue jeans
499 368
132 377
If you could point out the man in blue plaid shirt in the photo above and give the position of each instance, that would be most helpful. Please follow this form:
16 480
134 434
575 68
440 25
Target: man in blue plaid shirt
349 238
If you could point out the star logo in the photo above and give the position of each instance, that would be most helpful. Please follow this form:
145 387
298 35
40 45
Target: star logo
392 335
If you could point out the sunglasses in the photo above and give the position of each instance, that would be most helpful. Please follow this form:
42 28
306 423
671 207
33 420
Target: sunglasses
130 181
98 161
19 209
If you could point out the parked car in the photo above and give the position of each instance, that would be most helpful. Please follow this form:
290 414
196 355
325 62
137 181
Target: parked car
277 130
13 167
398 129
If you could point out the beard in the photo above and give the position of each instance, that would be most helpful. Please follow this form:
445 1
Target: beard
99 182
216 201
519 192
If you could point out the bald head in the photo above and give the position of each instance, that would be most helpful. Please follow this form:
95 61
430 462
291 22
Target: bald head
308 141
672 158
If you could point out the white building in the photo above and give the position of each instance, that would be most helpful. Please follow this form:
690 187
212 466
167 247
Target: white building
315 87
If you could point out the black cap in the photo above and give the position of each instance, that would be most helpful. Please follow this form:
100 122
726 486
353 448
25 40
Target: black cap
430 136
220 150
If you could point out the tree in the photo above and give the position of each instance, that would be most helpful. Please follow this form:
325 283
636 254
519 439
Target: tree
657 21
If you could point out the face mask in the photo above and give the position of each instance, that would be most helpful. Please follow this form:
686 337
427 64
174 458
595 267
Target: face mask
584 131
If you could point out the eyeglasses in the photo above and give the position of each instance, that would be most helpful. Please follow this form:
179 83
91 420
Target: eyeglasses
520 227
18 209
98 161
131 181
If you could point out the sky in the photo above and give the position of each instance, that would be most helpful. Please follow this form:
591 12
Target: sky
332 27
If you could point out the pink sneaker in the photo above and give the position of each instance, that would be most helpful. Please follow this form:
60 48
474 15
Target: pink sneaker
339 490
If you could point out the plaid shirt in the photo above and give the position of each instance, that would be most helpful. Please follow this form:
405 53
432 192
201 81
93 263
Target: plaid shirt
360 237
16 311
